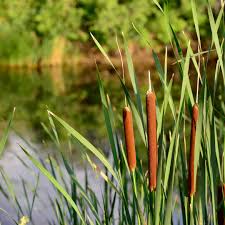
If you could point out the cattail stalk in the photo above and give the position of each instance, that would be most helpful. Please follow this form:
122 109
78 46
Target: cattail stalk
152 139
220 202
129 138
191 174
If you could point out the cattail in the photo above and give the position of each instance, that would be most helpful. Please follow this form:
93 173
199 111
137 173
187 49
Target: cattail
152 139
129 138
191 175
220 202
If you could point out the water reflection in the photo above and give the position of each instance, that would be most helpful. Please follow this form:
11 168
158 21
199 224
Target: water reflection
69 94
20 172
74 96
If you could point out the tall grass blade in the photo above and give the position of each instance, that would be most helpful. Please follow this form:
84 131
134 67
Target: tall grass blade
54 182
134 81
86 144
195 17
6 133
108 120
216 41
103 52
168 210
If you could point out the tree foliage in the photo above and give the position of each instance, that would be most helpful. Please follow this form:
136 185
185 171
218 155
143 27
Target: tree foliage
32 23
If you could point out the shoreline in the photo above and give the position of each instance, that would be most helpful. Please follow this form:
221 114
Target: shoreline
86 55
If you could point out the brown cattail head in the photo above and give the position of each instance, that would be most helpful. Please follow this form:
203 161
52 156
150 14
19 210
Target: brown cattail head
152 139
191 175
220 203
129 138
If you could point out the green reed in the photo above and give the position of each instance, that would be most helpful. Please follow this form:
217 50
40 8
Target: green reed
126 198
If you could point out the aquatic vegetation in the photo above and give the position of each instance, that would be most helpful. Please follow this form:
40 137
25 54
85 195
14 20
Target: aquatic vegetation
178 186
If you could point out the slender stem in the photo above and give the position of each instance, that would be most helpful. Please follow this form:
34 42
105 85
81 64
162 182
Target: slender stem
122 65
199 64
135 192
149 81
121 59
134 182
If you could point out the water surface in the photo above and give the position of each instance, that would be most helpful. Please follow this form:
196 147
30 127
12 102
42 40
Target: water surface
72 95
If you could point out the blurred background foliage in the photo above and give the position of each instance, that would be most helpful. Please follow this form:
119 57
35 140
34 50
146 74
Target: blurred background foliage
31 30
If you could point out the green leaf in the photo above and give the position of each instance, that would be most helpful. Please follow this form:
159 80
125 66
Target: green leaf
168 209
86 144
108 119
54 182
195 17
158 5
216 40
134 81
103 51
6 133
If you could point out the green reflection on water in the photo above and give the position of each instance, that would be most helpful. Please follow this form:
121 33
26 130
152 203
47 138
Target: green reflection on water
71 94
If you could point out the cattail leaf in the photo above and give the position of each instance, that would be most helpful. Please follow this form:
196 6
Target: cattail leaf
134 81
9 216
54 182
86 144
138 117
81 189
219 18
223 157
215 80
184 68
162 76
193 57
54 130
211 180
124 155
184 203
158 5
216 40
46 129
179 49
167 98
169 156
108 120
158 196
211 154
165 64
102 174
202 199
172 141
169 200
6 133
103 51
186 80
216 148
159 67
195 18
10 187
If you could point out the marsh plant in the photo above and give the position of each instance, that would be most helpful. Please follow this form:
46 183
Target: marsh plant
157 175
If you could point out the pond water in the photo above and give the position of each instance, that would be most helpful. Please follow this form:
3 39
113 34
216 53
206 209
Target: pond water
18 169
72 95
